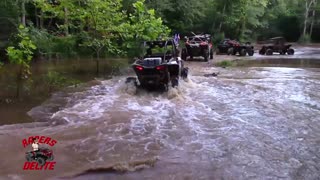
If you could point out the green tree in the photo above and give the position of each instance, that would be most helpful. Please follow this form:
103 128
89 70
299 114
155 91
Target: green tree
21 54
142 25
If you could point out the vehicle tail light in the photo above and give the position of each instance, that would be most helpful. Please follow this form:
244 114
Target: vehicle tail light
160 68
140 68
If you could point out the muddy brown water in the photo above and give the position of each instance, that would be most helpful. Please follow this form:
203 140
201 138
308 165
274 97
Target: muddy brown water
247 123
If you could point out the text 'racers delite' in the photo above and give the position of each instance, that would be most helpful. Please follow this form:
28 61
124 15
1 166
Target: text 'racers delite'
160 66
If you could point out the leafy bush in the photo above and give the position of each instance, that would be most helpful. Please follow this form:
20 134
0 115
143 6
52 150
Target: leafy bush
43 40
65 46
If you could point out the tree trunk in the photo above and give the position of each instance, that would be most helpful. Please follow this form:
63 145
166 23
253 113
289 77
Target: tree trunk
223 12
19 81
41 19
306 15
36 16
66 21
23 13
98 61
313 18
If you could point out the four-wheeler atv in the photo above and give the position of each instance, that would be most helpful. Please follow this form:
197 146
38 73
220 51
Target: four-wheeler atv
276 45
160 66
232 47
198 45
41 156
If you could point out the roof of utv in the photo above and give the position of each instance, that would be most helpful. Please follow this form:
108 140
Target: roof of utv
159 43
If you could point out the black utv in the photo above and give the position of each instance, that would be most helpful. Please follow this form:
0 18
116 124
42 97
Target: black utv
232 47
160 67
198 45
276 45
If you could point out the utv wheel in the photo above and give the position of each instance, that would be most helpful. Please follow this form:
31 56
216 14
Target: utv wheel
262 52
174 82
243 52
41 161
131 80
184 73
269 52
290 51
230 51
211 54
206 54
184 54
51 158
29 158
250 52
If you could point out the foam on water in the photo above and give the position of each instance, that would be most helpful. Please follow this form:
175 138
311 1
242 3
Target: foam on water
230 123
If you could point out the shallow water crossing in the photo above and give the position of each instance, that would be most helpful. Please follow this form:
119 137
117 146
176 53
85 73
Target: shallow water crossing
247 123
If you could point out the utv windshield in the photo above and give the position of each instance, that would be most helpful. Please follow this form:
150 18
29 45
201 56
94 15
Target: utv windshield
158 48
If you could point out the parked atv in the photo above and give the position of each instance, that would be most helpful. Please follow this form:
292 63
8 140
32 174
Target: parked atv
160 67
198 45
232 47
276 45
41 156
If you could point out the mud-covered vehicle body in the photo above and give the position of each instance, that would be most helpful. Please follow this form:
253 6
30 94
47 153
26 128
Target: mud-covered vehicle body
160 67
276 45
41 156
232 47
198 45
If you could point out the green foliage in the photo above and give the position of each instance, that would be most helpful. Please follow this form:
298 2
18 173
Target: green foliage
218 37
55 80
304 39
225 64
143 25
22 53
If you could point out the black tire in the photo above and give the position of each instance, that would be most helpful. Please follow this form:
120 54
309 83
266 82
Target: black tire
250 52
231 51
211 53
41 161
206 55
184 73
131 80
290 51
29 157
243 52
234 52
184 54
174 82
51 158
262 52
269 52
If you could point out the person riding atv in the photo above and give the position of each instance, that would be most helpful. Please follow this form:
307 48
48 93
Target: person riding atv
41 156
160 67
